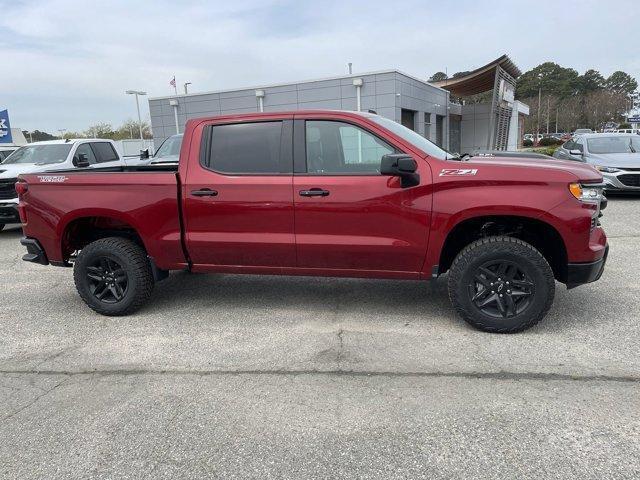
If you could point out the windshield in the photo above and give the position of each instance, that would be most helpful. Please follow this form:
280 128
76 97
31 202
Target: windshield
170 147
412 137
604 145
40 154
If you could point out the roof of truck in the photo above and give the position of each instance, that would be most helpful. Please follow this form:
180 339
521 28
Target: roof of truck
70 141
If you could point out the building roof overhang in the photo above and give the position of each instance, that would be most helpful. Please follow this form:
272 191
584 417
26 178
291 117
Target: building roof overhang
480 80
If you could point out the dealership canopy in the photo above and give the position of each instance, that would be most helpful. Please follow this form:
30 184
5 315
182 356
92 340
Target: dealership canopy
481 79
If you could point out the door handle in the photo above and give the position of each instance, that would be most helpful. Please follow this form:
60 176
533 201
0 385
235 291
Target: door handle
205 192
314 192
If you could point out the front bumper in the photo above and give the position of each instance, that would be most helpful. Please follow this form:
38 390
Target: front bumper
35 252
9 213
581 273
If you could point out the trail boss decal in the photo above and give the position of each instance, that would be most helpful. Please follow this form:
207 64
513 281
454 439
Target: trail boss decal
52 178
457 172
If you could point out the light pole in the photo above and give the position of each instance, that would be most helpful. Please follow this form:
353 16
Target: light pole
136 93
548 115
186 92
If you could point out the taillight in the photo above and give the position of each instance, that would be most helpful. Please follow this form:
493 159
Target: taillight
21 187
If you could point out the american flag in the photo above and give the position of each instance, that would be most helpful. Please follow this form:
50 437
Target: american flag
173 82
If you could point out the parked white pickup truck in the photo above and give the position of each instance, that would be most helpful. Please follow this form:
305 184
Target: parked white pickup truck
54 155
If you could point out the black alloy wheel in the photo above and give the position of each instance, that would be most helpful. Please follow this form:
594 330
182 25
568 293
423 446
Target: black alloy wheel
501 284
113 276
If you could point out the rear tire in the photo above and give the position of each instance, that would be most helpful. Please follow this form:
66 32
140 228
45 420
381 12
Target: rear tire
113 276
501 285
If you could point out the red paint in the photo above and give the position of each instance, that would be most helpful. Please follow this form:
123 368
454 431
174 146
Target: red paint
367 227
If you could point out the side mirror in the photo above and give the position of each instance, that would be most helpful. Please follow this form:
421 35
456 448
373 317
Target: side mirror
144 154
81 161
400 165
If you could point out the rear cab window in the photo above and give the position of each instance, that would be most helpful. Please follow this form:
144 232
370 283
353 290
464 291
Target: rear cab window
258 148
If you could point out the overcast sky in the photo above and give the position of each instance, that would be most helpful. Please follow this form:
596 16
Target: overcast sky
66 64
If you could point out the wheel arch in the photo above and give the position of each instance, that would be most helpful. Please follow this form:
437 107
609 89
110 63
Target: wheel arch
77 231
540 234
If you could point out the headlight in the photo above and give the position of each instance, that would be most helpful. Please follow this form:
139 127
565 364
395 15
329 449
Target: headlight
585 193
607 169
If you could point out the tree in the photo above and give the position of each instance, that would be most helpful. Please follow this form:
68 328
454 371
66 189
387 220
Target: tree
74 135
100 130
438 77
38 136
621 82
551 78
460 74
591 81
130 129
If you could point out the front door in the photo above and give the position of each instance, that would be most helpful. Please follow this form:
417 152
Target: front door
238 200
349 217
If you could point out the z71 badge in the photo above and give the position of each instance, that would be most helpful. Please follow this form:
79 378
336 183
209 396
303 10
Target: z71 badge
457 172
52 178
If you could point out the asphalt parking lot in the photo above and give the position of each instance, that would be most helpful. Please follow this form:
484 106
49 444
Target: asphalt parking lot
275 377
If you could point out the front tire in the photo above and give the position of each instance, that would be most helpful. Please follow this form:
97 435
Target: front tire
113 276
501 285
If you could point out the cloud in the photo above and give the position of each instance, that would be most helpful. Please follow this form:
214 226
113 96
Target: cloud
67 65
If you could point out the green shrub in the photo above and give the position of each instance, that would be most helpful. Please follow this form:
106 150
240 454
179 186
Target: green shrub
546 150
549 141
624 125
527 143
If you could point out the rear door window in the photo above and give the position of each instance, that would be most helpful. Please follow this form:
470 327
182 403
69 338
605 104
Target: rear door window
104 152
247 148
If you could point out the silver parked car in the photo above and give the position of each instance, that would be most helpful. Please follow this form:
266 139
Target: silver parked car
169 151
616 155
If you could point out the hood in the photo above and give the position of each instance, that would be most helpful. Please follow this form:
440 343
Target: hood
580 170
165 159
12 170
621 160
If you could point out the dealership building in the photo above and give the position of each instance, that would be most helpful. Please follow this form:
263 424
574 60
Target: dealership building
476 111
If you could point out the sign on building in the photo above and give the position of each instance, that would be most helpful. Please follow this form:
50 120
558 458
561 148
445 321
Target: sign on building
5 127
507 91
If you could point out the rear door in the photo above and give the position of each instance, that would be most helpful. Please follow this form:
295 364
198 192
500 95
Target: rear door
348 216
238 199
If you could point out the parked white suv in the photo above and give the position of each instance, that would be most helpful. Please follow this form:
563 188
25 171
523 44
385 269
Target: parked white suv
54 155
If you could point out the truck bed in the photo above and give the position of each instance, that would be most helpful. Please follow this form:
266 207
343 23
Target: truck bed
144 199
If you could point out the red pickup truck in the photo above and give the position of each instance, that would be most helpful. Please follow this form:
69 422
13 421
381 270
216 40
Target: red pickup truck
323 193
